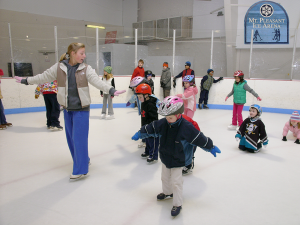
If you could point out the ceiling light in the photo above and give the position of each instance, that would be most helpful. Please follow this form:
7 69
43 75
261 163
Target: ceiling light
94 26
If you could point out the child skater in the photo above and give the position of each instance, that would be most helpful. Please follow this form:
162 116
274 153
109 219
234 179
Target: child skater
177 138
148 75
49 91
3 122
239 89
292 125
148 115
165 79
205 85
186 71
252 133
188 97
73 94
109 79
138 72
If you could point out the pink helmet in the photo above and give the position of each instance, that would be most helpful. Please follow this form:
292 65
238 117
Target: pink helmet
171 105
136 81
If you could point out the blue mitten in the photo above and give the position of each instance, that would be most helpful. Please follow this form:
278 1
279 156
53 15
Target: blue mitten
215 150
136 136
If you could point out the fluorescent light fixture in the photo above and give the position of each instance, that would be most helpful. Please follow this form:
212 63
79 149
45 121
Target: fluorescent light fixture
94 26
75 37
126 36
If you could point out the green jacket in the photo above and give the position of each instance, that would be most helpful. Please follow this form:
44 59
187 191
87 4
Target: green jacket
239 94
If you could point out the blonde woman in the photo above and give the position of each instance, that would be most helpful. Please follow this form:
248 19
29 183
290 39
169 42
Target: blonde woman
107 98
72 77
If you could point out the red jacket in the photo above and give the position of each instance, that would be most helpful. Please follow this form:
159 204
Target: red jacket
139 71
192 121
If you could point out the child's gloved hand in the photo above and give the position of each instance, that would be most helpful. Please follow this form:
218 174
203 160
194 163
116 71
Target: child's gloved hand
215 150
128 104
174 83
136 136
18 79
102 96
259 99
237 139
111 96
284 138
226 99
297 141
179 95
36 96
117 93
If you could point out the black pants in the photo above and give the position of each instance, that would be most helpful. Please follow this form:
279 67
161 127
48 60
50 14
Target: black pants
243 148
52 109
203 96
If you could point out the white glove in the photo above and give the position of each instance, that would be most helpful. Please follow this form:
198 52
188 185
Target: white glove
237 139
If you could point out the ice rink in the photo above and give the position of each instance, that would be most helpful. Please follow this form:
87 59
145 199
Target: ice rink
234 188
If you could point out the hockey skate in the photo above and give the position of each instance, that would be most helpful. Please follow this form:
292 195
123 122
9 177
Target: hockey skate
232 127
102 116
77 177
186 171
110 117
150 160
162 196
175 210
205 107
144 155
58 127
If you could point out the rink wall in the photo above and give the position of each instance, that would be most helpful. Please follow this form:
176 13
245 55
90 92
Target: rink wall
278 96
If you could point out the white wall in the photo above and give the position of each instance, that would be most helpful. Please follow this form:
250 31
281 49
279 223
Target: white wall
104 11
160 9
204 22
22 96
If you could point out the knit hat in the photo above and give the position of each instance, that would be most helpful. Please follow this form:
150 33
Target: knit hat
209 70
188 63
165 64
1 72
108 69
295 116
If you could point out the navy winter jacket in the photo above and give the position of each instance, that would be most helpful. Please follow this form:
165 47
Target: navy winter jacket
176 140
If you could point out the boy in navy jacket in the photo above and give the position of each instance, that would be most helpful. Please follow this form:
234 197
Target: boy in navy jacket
177 139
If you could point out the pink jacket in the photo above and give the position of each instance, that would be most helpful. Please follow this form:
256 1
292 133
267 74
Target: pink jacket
295 130
189 98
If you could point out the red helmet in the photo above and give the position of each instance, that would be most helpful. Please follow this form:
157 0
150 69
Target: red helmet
238 73
1 72
143 89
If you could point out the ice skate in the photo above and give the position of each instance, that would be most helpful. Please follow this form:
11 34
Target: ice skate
199 106
144 155
232 127
58 127
142 145
150 160
205 107
162 196
175 210
102 116
7 124
110 117
2 127
186 171
77 177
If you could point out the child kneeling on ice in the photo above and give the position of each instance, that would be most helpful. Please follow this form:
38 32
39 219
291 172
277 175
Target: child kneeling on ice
251 131
177 139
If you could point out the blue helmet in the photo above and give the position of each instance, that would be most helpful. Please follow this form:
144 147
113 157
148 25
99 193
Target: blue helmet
188 63
258 108
209 70
188 78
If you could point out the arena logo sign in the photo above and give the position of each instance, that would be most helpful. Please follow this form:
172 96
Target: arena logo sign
269 22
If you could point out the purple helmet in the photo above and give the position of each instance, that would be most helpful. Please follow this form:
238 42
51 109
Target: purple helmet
188 78
136 81
171 105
